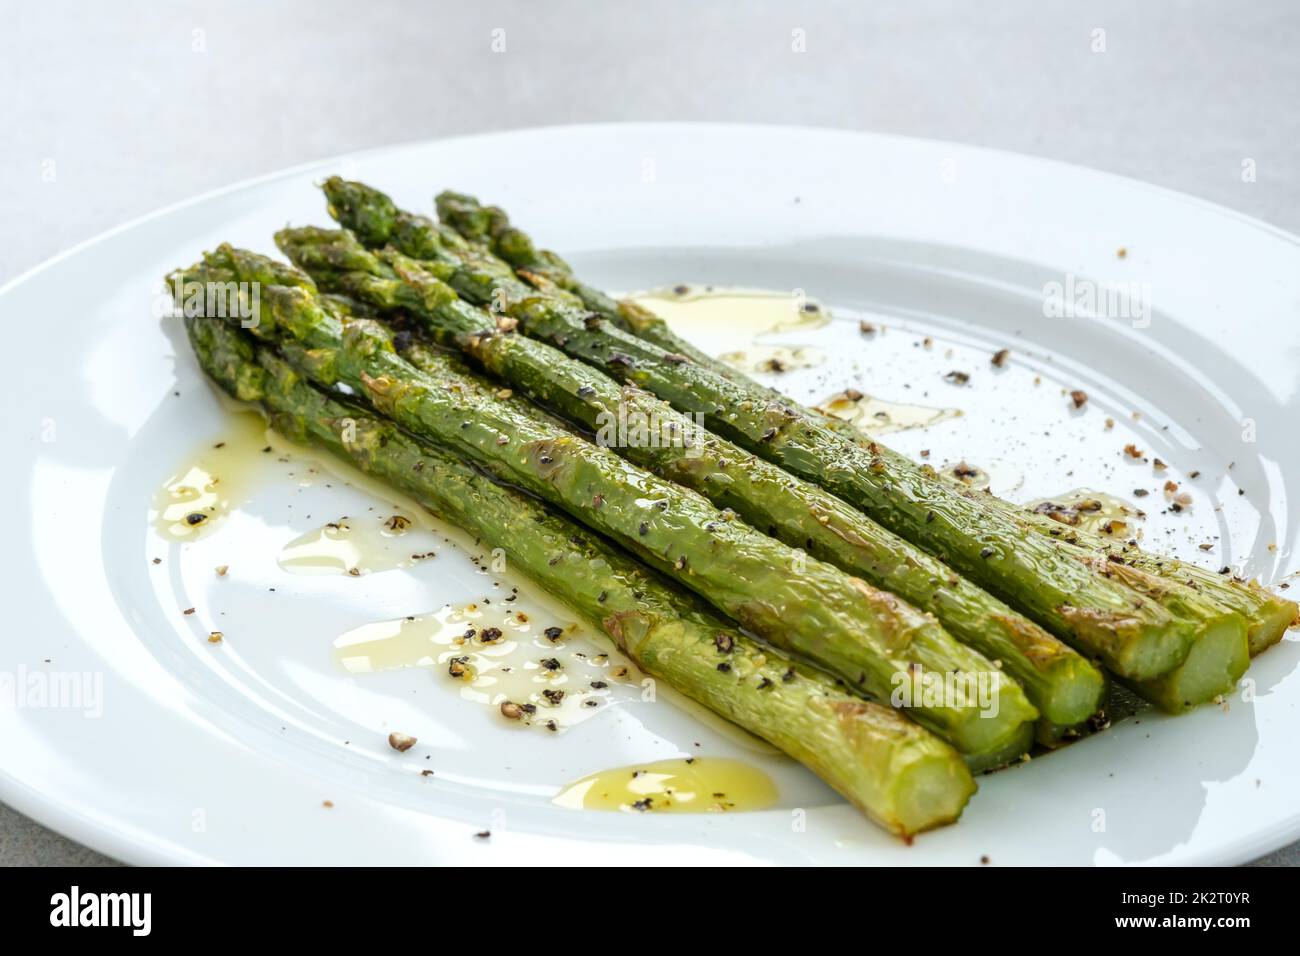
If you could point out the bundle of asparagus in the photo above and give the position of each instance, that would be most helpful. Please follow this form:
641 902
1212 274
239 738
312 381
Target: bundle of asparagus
894 771
1065 688
872 640
820 542
1107 608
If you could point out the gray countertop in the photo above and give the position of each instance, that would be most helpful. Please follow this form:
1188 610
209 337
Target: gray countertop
110 114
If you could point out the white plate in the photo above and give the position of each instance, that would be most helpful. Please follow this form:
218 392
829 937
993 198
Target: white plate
226 753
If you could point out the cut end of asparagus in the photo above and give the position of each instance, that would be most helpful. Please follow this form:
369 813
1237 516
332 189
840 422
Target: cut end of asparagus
1075 695
915 784
1268 615
1130 648
989 719
931 793
1271 621
1216 662
638 319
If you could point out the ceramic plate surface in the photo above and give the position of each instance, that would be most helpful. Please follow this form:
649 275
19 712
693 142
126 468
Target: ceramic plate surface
124 728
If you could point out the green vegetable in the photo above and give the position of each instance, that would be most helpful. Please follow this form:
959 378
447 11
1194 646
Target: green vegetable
894 771
1063 686
1268 616
1133 620
490 227
1208 610
874 641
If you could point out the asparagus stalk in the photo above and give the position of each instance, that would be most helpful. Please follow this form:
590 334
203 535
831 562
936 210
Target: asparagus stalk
490 227
898 774
1064 687
1267 615
1219 658
871 639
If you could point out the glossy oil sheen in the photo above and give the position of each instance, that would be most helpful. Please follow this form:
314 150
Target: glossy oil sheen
1097 512
680 785
209 480
353 545
493 654
876 416
737 325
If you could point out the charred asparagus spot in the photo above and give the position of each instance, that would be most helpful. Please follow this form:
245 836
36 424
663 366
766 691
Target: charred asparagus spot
1141 632
837 620
1065 688
897 773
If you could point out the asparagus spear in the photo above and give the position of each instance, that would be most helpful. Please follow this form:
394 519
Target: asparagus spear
1267 615
873 640
490 227
900 775
1218 657
1063 686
